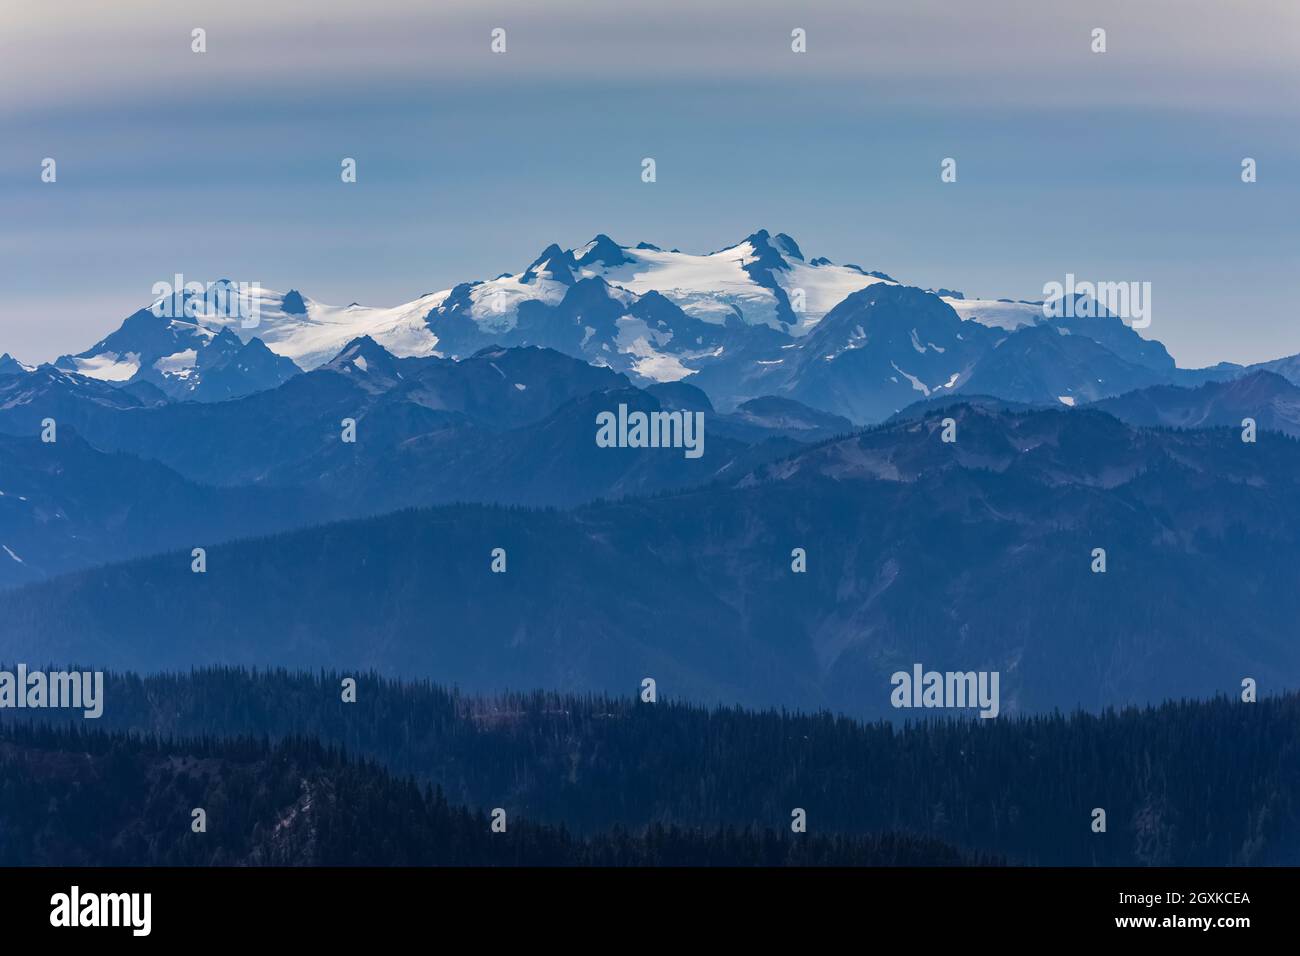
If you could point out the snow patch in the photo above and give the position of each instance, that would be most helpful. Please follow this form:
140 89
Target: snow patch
998 315
637 339
916 382
716 286
178 364
109 366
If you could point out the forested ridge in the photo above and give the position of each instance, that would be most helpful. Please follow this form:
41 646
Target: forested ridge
75 797
1186 783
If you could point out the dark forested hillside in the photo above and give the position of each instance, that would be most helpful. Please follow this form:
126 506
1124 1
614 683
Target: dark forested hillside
1206 783
75 798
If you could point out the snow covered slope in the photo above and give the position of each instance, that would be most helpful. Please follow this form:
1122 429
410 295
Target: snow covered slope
311 333
762 280
997 313
258 340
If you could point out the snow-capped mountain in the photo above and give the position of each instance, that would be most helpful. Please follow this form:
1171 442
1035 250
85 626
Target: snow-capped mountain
754 319
311 333
11 366
259 341
185 358
762 280
880 350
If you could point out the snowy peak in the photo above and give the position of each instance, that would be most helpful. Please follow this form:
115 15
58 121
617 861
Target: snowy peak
602 251
11 366
554 263
230 368
366 362
184 358
763 255
310 333
789 248
772 251
761 280
293 303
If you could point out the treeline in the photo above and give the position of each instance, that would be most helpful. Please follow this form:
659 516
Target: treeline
1187 783
72 797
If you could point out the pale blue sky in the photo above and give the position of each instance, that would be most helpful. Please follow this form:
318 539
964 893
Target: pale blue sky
1119 166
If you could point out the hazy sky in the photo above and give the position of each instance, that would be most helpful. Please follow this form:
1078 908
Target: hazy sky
1116 166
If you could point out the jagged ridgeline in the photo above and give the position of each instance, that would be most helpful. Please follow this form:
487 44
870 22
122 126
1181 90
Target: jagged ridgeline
1188 783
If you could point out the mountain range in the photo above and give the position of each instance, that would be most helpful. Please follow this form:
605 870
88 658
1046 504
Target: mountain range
754 319
132 472
917 550
350 471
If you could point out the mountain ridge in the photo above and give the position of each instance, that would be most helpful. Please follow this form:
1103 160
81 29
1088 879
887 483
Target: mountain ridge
917 550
